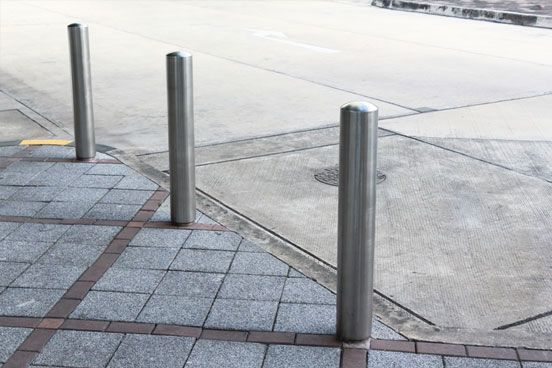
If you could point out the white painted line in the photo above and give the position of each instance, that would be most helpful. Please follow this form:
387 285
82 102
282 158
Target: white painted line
282 38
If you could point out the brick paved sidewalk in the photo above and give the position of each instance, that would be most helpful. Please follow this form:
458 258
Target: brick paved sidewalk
92 274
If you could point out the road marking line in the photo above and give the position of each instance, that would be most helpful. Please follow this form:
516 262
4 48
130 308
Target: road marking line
52 142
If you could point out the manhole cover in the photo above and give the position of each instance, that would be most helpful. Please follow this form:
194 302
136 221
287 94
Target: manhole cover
330 176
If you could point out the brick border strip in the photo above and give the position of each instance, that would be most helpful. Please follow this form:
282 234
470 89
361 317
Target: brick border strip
351 357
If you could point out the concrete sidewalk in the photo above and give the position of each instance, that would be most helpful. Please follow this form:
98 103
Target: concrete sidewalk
93 275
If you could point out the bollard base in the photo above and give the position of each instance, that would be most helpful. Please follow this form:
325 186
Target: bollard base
363 344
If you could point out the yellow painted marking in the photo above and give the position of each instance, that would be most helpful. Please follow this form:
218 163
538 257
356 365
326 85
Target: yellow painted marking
51 142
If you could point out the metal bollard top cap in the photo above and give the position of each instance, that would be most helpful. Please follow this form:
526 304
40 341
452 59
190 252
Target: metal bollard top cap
180 54
359 106
77 25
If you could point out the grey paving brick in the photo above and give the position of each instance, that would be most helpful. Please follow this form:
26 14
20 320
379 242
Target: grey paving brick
136 182
391 359
90 234
242 315
202 260
125 196
381 331
71 254
9 271
28 302
50 179
70 168
39 232
215 354
18 208
160 238
253 287
536 365
111 306
28 167
11 150
109 211
54 152
81 195
8 227
130 280
204 219
306 318
152 351
193 284
148 258
79 349
13 178
22 251
96 181
248 246
287 356
221 240
294 273
111 169
64 210
455 362
258 264
304 290
6 191
43 194
10 339
172 309
50 276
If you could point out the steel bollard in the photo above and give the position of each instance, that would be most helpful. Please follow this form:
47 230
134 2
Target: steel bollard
83 114
181 137
356 227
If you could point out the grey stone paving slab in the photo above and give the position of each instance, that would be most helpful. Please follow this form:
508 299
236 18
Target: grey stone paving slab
381 331
9 271
454 362
242 315
193 284
71 254
202 260
50 276
125 196
391 359
215 354
64 210
136 182
130 280
96 181
18 208
294 273
28 167
536 365
248 246
10 150
50 179
79 349
10 339
8 227
22 251
221 240
306 318
111 169
204 219
53 152
109 211
81 194
149 258
6 191
152 351
170 238
43 194
28 302
253 287
258 264
112 306
7 178
286 356
70 168
304 290
172 309
39 232
90 234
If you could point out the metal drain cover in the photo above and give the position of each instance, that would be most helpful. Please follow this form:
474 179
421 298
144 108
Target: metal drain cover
330 176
